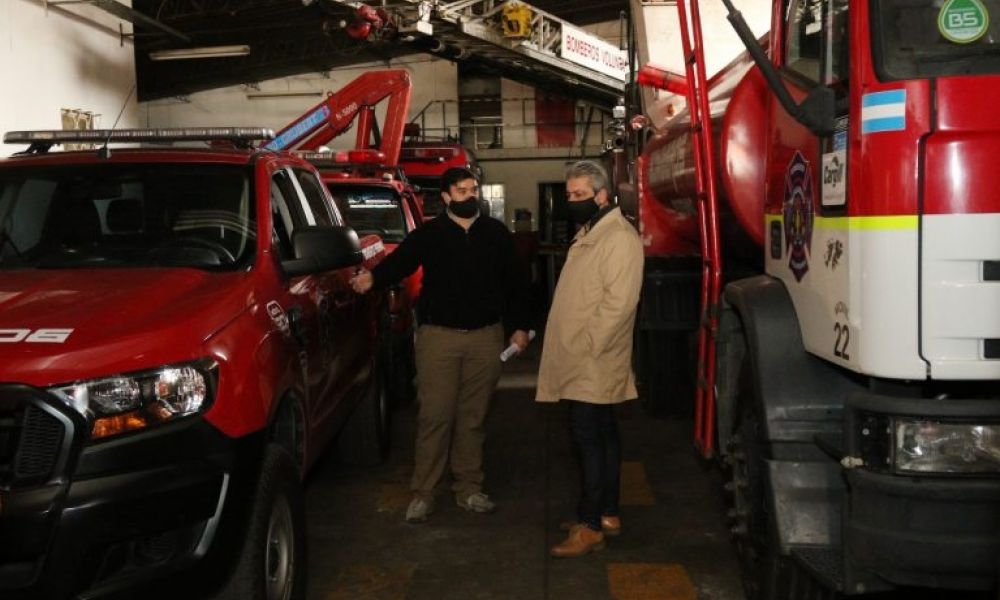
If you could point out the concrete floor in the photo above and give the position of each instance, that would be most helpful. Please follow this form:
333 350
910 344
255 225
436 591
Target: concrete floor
674 545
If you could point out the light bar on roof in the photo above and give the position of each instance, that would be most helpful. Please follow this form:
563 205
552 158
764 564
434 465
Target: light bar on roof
97 136
355 157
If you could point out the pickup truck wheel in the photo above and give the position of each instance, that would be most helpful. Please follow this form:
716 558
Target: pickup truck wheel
272 564
364 440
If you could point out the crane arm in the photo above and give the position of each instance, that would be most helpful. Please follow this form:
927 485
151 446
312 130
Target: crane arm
335 114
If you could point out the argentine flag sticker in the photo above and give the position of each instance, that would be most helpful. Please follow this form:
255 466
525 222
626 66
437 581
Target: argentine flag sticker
883 111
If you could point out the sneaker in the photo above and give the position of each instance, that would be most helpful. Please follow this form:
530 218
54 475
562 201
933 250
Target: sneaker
418 510
478 502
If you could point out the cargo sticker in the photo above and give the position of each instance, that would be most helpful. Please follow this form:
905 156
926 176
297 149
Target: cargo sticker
835 178
963 21
883 111
798 215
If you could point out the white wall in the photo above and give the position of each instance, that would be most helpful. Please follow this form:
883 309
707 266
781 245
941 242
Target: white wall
434 79
67 57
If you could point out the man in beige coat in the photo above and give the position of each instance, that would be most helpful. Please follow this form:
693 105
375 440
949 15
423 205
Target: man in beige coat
587 355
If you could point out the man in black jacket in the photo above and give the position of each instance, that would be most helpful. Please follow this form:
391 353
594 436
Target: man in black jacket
472 280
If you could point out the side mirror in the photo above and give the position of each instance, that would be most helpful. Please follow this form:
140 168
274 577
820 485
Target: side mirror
321 248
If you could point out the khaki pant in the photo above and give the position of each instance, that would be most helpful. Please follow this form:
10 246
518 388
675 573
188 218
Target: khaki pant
457 373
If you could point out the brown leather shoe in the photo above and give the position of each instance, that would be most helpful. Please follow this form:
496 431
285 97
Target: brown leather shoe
610 526
582 540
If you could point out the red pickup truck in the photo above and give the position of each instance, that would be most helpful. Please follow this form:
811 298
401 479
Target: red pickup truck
378 200
178 345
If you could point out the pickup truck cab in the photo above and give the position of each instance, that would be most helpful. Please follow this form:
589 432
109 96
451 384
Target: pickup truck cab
179 343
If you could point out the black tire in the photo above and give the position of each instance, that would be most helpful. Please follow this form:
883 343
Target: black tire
766 573
364 440
404 369
272 563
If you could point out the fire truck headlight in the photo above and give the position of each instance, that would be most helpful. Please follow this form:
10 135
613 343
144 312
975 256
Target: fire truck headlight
936 447
134 401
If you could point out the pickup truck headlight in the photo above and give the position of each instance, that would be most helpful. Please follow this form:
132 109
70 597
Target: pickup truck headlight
133 401
935 447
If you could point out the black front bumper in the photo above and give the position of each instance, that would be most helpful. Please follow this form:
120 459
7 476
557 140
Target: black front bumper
930 530
154 513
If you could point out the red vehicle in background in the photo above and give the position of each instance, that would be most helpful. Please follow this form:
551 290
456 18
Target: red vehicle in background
425 161
179 343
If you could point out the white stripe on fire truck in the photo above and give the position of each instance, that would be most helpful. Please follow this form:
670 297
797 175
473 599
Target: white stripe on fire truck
883 111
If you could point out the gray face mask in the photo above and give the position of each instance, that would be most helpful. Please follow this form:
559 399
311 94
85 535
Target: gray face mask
466 209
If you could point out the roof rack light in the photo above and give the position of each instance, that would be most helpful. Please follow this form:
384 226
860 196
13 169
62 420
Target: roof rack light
96 136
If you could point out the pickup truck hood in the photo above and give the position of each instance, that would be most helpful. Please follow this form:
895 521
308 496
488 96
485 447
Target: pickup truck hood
121 319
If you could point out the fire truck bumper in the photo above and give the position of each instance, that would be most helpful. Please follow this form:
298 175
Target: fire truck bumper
924 532
154 513
928 529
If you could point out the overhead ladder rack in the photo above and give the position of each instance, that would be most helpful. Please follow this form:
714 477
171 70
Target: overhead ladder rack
520 41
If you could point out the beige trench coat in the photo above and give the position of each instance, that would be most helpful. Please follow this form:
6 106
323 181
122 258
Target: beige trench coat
587 354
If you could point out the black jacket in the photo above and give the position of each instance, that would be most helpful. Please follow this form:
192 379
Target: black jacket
471 278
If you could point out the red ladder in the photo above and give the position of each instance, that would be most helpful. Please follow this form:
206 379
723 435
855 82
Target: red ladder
707 202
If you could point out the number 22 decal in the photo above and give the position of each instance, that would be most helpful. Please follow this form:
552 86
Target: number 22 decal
843 340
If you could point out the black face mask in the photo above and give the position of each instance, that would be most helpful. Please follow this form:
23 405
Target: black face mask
582 211
465 209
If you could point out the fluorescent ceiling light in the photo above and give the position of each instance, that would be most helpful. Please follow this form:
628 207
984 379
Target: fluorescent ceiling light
287 94
203 52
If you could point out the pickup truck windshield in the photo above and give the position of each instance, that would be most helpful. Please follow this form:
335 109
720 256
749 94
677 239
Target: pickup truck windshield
371 210
934 38
126 215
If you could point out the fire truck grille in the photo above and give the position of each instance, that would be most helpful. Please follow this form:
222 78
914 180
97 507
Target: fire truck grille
30 442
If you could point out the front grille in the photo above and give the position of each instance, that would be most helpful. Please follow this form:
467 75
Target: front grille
30 442
991 348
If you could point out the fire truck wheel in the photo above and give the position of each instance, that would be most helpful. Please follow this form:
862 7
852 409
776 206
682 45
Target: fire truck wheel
767 575
272 564
364 440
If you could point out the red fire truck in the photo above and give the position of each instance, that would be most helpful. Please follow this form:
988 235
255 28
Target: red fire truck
425 161
179 343
834 186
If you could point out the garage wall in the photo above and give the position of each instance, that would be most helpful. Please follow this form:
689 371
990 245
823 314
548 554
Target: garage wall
434 79
65 58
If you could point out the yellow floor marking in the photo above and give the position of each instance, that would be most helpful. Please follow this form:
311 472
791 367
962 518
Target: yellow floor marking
371 582
393 497
635 490
650 581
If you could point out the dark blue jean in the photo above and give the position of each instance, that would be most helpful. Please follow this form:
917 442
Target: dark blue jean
595 431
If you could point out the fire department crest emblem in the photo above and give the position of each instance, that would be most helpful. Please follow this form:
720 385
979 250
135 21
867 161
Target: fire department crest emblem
798 214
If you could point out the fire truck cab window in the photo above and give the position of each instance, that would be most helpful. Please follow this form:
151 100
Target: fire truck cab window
932 38
803 47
